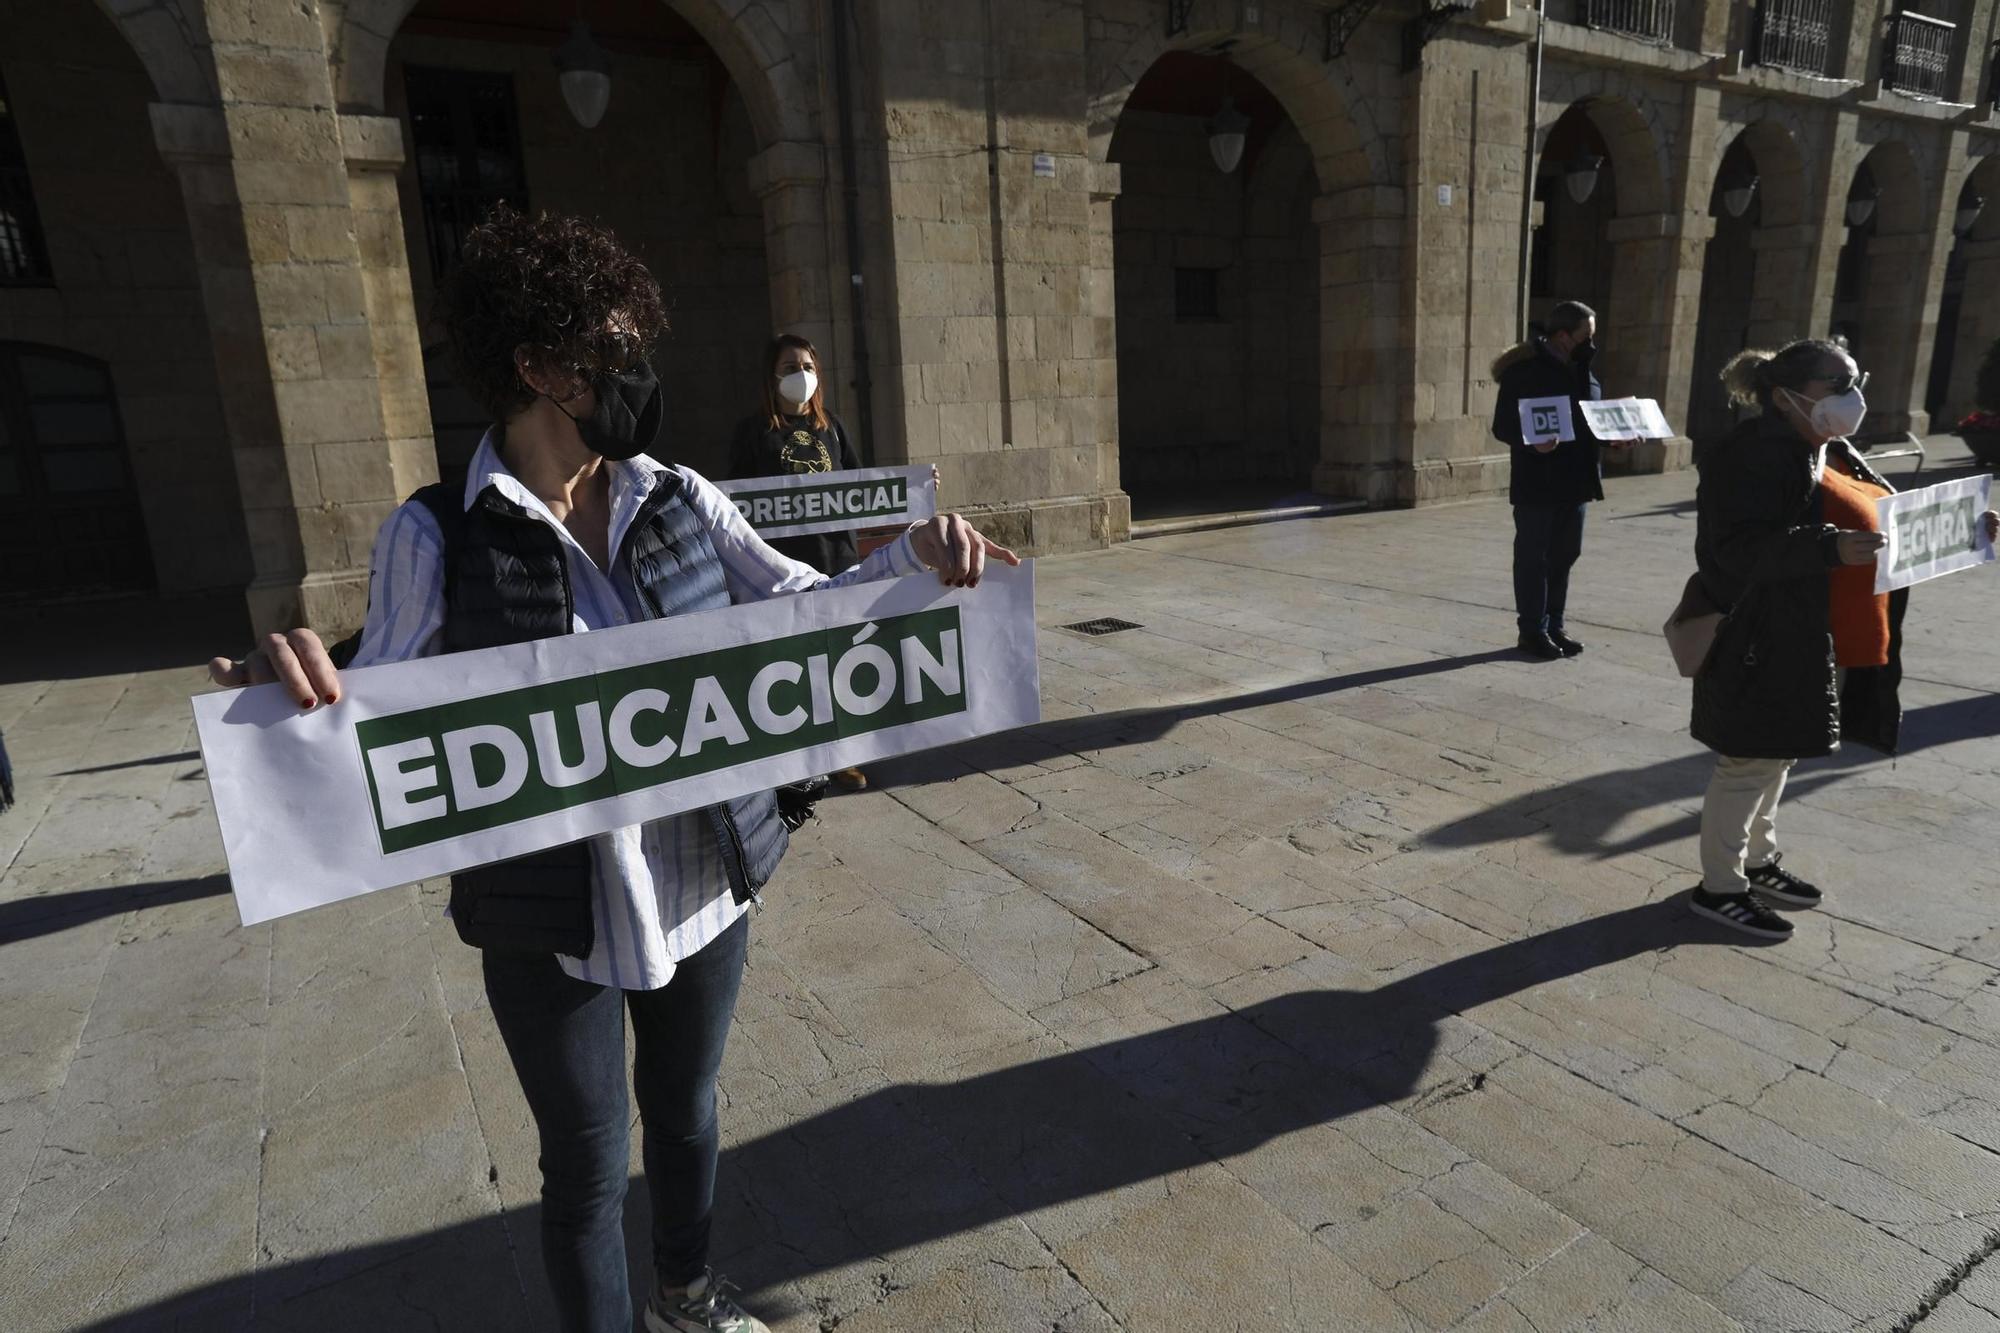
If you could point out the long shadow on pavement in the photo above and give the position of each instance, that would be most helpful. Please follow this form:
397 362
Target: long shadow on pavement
1579 816
1138 726
915 1163
45 914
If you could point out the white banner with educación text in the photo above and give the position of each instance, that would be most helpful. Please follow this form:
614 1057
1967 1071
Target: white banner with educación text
1932 532
804 503
436 765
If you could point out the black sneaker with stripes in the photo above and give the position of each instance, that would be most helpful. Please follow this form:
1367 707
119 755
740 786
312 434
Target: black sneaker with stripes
1741 911
1776 884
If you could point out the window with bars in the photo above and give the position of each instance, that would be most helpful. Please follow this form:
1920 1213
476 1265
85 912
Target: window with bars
466 132
1648 20
1796 35
1917 53
24 258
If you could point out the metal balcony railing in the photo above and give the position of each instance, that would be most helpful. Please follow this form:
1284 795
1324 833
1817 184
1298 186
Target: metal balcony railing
1648 20
1916 54
1796 35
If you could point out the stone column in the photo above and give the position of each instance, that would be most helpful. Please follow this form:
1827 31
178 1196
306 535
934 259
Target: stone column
1899 323
1788 261
373 146
1978 326
1094 335
789 179
1656 264
321 455
1366 350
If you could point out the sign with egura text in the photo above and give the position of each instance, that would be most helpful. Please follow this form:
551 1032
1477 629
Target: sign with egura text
801 504
1932 532
435 765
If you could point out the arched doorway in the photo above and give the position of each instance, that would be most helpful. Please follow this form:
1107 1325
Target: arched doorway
1880 282
667 169
1967 327
1728 288
1753 270
1216 294
1600 237
115 467
1576 196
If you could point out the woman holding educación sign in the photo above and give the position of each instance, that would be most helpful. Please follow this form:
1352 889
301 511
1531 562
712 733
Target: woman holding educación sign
565 524
1809 655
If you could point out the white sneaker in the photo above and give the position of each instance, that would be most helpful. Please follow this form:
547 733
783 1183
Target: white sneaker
706 1307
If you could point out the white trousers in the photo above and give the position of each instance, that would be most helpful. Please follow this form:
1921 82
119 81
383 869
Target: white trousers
1738 827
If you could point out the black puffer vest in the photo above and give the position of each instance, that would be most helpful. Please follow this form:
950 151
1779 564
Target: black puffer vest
506 580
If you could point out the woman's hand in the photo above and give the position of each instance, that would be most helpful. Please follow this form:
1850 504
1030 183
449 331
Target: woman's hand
956 550
1859 548
297 660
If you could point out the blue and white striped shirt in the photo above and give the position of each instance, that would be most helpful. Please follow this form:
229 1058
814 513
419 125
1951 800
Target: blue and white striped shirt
659 890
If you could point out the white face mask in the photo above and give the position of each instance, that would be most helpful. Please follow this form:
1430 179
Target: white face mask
1835 416
798 387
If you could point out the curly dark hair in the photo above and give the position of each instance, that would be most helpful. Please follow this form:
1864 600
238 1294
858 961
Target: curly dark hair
552 285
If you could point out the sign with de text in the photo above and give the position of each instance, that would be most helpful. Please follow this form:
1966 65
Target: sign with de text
435 765
804 503
1932 532
1546 420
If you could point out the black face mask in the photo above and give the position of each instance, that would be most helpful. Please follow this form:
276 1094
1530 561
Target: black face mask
631 408
1582 353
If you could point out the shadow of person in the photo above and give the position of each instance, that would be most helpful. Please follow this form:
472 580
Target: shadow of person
910 1164
916 1163
1138 726
1581 817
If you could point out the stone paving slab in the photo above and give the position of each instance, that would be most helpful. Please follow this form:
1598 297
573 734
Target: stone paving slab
1316 964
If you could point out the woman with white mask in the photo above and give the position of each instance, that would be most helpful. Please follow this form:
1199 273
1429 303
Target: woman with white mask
1809 655
791 432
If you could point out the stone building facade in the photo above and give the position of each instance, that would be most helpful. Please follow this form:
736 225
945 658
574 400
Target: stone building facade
220 222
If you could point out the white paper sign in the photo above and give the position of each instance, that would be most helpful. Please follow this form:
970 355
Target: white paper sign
1627 419
436 765
804 503
1546 419
1932 532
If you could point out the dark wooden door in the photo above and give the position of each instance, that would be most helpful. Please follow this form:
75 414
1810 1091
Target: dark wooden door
70 521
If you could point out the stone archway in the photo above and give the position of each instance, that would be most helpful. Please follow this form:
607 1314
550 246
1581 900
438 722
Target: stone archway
1365 367
171 41
1756 265
1884 282
729 211
1968 325
1613 249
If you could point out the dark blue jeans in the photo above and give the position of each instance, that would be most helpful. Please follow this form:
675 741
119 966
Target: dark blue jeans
567 1040
1547 541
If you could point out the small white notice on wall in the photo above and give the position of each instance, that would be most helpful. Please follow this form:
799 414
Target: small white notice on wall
1045 165
1444 196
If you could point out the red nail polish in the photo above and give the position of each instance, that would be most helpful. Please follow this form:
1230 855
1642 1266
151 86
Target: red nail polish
305 703
329 698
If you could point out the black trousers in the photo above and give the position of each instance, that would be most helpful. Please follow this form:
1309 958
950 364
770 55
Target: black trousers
567 1041
1547 541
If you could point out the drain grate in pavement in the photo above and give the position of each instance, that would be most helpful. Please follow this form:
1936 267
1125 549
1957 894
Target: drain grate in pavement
1103 625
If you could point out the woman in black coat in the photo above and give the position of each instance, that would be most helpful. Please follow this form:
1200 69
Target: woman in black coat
1807 656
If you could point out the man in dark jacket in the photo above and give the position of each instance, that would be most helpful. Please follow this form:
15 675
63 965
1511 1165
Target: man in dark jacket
1556 471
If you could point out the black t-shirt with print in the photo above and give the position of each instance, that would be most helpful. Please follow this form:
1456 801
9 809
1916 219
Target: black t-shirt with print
760 450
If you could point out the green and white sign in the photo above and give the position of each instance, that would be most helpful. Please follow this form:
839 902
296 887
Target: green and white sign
809 502
1932 532
431 766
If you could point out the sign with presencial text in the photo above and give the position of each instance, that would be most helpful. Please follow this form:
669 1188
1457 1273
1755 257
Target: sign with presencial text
804 503
1932 532
1627 419
1546 421
439 764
